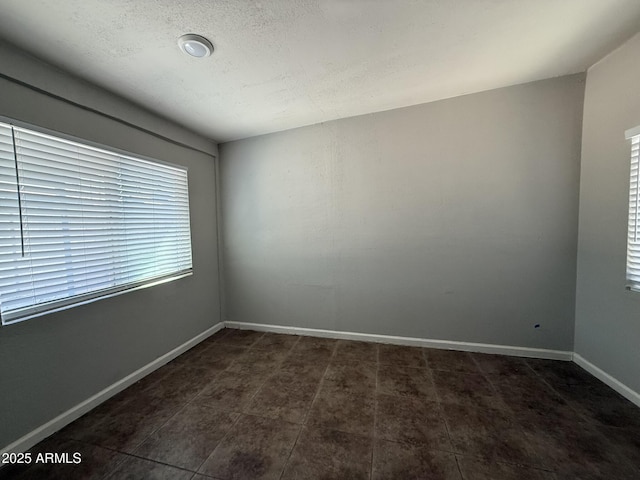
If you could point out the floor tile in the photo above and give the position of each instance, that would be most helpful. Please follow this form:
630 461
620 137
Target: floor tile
14 471
88 422
127 428
558 373
409 420
191 354
476 469
350 413
54 443
181 385
199 375
188 438
393 461
230 391
601 405
355 378
626 441
406 382
577 450
240 338
466 388
276 341
152 379
302 368
407 410
487 433
285 401
529 397
314 349
502 365
285 376
217 357
217 336
401 355
349 351
329 455
255 448
134 468
306 342
258 361
450 360
93 462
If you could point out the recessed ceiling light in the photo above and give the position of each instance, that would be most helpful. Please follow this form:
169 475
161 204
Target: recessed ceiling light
195 45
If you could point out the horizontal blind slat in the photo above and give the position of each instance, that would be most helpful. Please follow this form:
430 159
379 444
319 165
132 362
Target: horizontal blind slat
94 221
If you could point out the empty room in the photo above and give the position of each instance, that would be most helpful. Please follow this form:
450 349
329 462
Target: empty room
320 239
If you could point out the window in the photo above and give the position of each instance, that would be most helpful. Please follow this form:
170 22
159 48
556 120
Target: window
80 223
633 238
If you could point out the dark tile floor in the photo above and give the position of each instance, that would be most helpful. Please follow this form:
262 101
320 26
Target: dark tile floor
248 405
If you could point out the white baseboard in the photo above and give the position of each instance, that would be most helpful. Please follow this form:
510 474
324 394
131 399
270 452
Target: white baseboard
62 420
613 382
42 432
409 341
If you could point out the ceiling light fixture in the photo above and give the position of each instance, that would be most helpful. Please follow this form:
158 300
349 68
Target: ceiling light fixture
195 45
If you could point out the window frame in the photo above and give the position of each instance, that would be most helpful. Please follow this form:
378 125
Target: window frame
104 293
632 136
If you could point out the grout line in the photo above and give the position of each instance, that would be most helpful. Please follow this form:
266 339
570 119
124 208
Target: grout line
218 373
226 434
458 465
477 363
519 465
249 347
375 413
320 383
286 463
158 428
304 420
495 390
134 455
239 413
552 388
427 447
197 395
425 357
267 377
443 417
129 454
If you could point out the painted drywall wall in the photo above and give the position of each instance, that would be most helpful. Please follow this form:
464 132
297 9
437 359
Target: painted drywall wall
52 363
608 316
453 220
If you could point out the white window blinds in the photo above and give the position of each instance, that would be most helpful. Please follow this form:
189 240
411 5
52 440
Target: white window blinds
633 238
80 223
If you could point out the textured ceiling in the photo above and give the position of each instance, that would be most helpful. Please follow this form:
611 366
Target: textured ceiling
281 64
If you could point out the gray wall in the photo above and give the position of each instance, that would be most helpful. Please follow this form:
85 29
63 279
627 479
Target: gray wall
453 220
52 363
607 316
